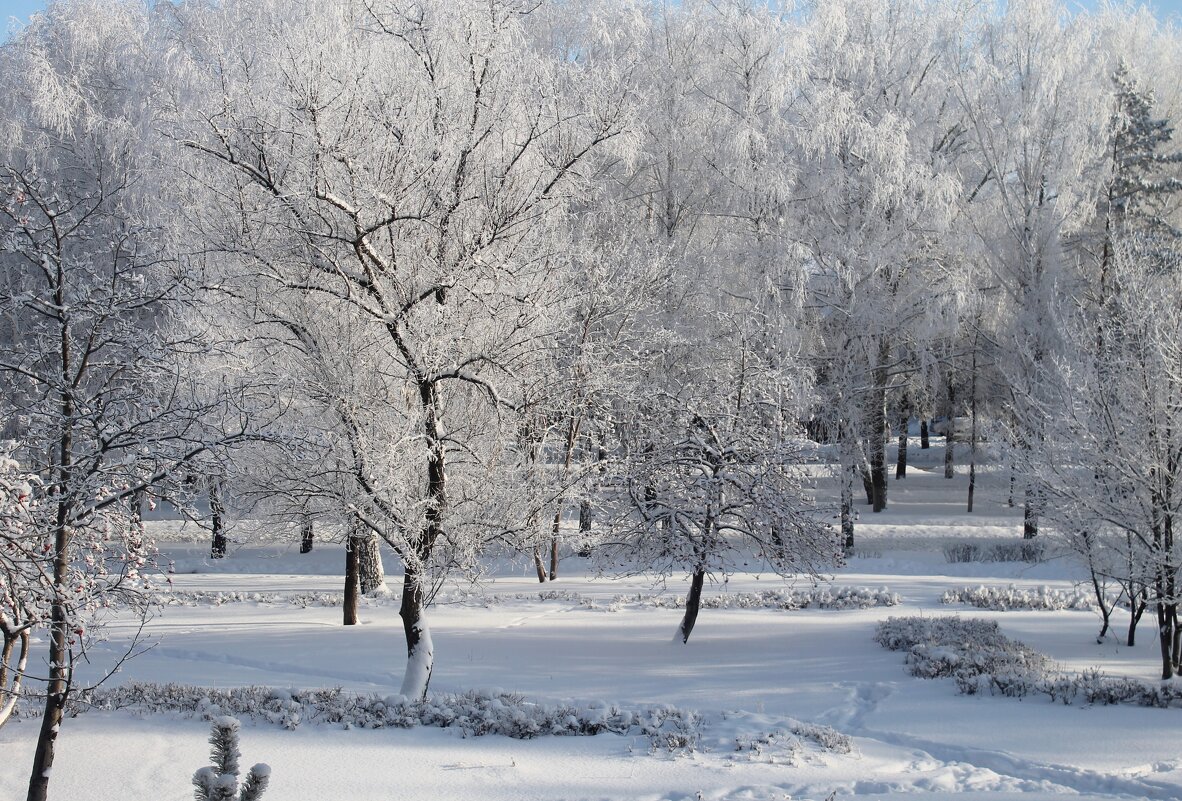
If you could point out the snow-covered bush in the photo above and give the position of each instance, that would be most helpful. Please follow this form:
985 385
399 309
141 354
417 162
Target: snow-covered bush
1009 551
787 599
219 781
474 713
973 652
1001 599
980 658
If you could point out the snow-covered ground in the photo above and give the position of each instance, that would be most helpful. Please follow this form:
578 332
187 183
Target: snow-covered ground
752 673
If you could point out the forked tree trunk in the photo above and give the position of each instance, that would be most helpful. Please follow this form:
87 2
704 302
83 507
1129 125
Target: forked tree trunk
352 581
12 676
693 602
1138 603
307 532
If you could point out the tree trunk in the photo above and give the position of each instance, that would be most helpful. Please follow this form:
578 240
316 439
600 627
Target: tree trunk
584 516
901 462
371 574
950 432
352 580
61 672
1138 603
1030 514
539 565
60 657
924 441
693 602
876 428
217 512
306 534
10 688
847 509
867 483
420 651
973 426
1165 634
554 529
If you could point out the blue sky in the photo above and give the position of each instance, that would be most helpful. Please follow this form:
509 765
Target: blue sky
21 9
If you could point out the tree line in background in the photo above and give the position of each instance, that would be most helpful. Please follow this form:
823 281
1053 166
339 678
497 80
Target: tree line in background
438 273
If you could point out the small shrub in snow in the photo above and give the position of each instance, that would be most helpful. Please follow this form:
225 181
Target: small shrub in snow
1001 599
980 658
219 781
825 736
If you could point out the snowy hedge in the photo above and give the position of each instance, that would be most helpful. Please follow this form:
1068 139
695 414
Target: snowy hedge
980 658
474 713
1002 599
788 599
1005 551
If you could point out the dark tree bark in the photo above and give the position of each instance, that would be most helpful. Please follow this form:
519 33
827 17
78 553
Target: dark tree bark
307 532
371 575
352 581
693 602
867 483
973 425
1138 603
1030 515
901 462
217 512
924 440
847 510
876 428
1165 638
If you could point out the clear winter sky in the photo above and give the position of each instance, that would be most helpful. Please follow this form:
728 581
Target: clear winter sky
21 9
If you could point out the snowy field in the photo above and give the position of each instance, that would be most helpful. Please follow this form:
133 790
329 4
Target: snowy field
753 674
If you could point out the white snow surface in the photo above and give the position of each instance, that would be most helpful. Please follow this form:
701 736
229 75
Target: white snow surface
750 672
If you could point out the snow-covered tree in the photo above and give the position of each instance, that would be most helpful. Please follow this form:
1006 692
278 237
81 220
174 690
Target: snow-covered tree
420 210
1119 496
93 364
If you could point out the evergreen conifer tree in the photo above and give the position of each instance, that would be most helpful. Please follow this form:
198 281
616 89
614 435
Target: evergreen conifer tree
219 781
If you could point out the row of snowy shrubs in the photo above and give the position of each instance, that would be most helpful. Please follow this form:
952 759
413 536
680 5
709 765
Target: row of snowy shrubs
473 713
1004 599
790 599
1005 551
980 659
